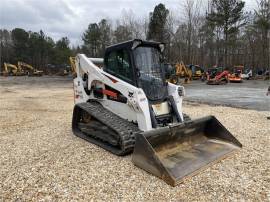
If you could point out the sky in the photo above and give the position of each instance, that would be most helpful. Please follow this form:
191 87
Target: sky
59 18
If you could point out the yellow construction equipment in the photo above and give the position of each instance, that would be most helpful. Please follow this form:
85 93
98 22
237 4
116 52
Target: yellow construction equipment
181 71
11 70
29 69
197 71
73 66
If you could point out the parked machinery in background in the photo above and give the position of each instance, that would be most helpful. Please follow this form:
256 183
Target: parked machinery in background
217 76
247 74
11 70
197 71
29 69
174 73
263 74
72 66
235 76
183 72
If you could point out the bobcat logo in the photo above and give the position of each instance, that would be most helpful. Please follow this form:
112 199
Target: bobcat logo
130 94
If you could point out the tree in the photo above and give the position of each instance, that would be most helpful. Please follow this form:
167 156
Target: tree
223 35
157 23
192 17
105 35
122 33
49 51
129 27
96 38
63 52
133 24
35 48
179 43
20 43
207 39
91 38
228 15
40 49
262 23
250 40
6 47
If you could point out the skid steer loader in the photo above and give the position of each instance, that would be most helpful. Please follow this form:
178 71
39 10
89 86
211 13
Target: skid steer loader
125 105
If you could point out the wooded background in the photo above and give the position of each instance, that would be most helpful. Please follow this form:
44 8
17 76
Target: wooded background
220 33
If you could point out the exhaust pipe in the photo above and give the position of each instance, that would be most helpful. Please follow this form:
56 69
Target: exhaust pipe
175 152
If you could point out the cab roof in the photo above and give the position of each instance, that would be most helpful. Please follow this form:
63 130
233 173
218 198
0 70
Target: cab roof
131 44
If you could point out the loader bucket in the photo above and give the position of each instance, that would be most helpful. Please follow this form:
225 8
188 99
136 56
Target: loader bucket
176 152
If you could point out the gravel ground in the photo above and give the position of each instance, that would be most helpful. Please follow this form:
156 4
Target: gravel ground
41 159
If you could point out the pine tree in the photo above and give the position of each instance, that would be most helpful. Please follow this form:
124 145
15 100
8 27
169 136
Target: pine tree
91 38
227 15
105 35
157 24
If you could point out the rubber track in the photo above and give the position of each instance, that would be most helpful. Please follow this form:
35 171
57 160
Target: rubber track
125 129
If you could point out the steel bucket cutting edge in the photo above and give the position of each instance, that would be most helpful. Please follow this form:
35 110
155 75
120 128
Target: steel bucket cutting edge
175 152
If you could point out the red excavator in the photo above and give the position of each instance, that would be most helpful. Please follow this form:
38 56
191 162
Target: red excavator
217 76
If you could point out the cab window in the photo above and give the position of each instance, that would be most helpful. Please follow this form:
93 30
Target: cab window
118 64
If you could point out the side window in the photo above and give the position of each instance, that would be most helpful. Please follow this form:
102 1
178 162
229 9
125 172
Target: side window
112 63
118 64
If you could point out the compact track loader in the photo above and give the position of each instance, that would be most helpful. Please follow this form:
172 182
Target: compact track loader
124 104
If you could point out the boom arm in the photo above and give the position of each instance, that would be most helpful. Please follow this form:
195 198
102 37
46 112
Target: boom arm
224 73
22 64
72 64
97 78
182 70
32 70
8 66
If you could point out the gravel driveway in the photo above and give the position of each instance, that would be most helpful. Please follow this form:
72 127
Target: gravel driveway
41 159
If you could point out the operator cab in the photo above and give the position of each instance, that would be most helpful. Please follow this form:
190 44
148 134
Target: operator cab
139 63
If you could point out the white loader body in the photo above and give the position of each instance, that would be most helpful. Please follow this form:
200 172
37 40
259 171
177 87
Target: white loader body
137 107
127 106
